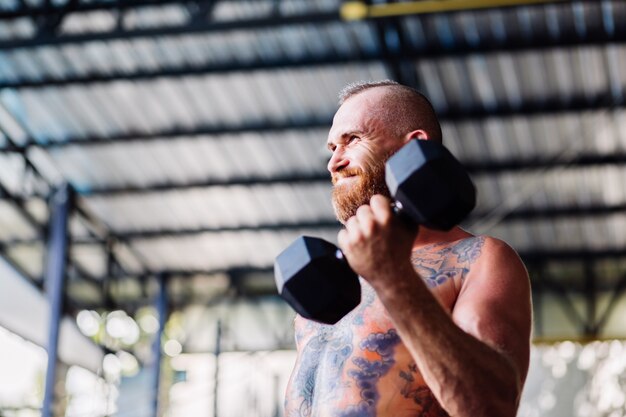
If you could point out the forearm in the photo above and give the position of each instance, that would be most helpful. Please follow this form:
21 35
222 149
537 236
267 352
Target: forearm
468 377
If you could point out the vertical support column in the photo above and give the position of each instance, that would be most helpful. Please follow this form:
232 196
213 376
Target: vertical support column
591 329
538 272
54 282
157 355
218 343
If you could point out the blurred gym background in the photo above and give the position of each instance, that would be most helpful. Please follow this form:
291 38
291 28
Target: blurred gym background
156 155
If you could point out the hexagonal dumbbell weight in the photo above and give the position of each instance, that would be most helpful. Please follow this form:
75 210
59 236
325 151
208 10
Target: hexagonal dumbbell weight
430 188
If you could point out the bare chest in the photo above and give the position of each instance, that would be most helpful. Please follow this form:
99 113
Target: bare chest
360 367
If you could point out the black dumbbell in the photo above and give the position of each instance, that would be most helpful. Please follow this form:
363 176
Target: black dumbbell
429 186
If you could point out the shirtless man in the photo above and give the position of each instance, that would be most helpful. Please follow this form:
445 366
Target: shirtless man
444 323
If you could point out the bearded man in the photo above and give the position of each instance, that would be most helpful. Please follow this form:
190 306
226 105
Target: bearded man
443 327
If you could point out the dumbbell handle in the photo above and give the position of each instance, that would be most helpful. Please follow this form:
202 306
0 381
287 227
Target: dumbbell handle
400 213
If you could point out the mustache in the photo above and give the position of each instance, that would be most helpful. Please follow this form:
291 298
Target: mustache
344 173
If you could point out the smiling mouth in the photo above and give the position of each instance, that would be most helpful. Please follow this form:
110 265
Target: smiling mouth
339 180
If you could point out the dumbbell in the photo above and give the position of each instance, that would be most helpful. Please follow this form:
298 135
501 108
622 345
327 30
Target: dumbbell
429 187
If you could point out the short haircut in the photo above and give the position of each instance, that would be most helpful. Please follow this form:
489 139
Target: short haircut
405 109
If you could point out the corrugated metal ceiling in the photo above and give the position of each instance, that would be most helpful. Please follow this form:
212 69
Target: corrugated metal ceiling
143 127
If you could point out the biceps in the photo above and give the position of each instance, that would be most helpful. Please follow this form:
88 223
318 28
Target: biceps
501 319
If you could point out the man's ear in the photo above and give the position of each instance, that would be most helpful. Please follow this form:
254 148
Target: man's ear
416 134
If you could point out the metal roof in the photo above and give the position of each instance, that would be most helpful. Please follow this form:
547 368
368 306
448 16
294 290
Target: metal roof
194 135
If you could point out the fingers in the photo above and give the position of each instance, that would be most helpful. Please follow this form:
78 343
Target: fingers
354 229
367 221
342 239
381 209
361 226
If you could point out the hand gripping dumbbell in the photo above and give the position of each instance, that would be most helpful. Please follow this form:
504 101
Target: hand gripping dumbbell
429 187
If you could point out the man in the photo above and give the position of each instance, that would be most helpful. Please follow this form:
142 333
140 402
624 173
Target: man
444 324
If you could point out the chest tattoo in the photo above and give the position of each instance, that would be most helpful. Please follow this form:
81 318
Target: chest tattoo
369 371
326 352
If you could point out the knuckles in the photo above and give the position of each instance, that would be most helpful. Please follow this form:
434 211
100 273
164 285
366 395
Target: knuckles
368 221
381 208
363 213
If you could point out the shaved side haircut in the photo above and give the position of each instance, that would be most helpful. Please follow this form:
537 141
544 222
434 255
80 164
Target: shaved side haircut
405 109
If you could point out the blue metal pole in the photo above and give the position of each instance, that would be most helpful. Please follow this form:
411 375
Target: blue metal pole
218 346
56 262
161 307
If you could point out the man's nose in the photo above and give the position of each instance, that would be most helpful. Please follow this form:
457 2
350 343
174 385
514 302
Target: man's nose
337 161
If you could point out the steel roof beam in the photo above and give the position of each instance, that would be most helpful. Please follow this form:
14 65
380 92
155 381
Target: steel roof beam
521 164
193 27
331 223
242 181
273 21
552 106
180 301
407 53
178 133
476 168
25 11
186 71
565 255
560 212
129 236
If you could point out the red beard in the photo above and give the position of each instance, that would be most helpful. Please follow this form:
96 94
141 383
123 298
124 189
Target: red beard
349 197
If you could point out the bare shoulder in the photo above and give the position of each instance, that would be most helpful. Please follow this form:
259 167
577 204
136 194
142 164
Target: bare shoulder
497 247
497 262
497 274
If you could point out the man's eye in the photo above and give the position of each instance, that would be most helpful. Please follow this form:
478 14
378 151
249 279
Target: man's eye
352 138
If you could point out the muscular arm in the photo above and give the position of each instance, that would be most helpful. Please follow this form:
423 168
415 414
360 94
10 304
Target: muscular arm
474 360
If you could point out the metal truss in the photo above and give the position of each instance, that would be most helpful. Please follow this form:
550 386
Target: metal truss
40 230
94 227
591 321
42 233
